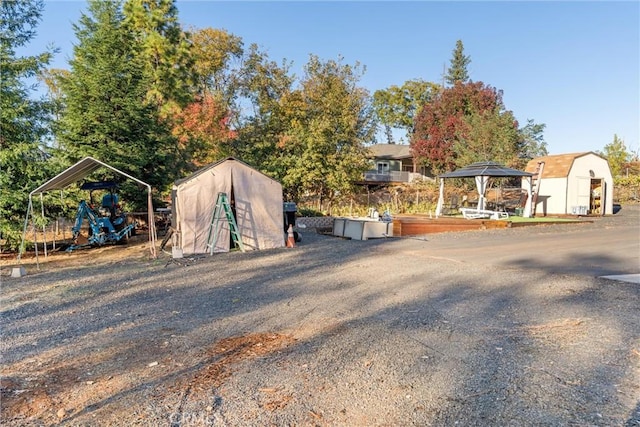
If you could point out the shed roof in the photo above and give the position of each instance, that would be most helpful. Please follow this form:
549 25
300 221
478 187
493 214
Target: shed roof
391 151
557 165
484 169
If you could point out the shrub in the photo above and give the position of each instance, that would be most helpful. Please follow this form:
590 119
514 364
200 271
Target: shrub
308 212
626 189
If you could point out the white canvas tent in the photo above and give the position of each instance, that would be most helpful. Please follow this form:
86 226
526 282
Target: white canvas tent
256 199
75 173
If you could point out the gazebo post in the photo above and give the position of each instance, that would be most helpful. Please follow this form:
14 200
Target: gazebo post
440 199
35 240
481 184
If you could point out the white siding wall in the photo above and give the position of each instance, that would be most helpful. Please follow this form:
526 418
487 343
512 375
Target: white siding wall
579 192
600 167
552 197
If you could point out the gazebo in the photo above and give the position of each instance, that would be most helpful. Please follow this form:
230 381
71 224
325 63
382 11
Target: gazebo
481 172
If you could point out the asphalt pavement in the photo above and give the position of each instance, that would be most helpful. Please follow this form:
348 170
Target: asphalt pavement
600 246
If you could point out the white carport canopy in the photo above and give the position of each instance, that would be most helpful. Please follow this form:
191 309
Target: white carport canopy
75 173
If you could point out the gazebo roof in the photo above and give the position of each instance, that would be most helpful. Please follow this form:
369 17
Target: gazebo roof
484 169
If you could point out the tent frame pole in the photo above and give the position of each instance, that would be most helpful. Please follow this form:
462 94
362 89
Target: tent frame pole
44 225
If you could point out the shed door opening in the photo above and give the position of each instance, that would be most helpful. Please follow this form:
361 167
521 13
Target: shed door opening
597 196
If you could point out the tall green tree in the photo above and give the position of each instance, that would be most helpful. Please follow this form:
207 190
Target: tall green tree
617 155
312 137
23 121
327 137
262 123
165 50
397 106
457 71
107 114
487 136
217 56
532 143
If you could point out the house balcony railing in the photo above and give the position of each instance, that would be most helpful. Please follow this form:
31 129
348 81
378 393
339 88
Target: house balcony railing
392 176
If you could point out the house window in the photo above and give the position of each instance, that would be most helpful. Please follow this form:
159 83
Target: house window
383 167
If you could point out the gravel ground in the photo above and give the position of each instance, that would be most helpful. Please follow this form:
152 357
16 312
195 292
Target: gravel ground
496 327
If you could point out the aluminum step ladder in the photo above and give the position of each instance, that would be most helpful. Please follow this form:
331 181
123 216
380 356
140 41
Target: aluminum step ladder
222 211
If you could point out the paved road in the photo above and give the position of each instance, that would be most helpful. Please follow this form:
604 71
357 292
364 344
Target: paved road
606 246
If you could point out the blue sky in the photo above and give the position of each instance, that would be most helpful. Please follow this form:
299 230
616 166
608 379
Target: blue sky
574 66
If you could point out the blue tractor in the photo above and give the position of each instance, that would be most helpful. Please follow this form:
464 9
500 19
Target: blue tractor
107 224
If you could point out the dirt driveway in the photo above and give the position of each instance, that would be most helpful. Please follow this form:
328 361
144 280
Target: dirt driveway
499 327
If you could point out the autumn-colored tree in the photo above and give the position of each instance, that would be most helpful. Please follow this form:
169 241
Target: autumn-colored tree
264 82
202 129
217 56
52 78
203 126
397 106
264 88
444 126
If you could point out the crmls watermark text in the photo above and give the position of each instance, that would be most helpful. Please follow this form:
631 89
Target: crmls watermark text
184 419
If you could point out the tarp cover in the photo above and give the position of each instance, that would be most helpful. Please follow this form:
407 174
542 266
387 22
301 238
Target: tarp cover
258 207
484 169
78 171
71 175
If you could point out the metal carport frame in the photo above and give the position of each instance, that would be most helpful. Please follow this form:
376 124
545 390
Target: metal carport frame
73 174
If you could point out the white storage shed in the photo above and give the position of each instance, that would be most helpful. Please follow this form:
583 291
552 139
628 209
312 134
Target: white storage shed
573 184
